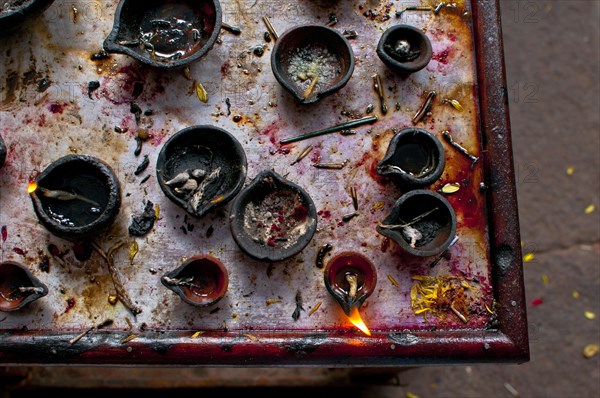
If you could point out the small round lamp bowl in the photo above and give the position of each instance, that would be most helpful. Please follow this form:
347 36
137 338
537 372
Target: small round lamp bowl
200 168
2 152
200 281
165 34
77 197
312 62
339 269
18 287
404 49
421 222
273 219
14 12
415 158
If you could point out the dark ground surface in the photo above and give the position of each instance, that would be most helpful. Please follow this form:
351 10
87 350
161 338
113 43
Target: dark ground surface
552 58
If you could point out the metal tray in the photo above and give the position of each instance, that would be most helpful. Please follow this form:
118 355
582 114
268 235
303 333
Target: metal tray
253 324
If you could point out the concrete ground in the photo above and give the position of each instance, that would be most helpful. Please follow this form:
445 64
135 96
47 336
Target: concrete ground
552 58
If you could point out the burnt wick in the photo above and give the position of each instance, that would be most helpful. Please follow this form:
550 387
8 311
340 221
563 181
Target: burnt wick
352 280
64 195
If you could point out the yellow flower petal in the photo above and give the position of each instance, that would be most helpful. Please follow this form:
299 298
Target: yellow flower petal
570 170
590 209
589 315
528 257
590 350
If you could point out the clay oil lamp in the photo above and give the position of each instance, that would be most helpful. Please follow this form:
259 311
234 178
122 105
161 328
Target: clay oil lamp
165 34
14 12
18 287
2 152
76 198
200 168
415 158
201 280
350 278
404 49
312 62
421 222
273 219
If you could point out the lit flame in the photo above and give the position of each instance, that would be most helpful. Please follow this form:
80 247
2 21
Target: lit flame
358 322
32 187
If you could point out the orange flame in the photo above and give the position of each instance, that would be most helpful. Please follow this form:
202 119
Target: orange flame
32 187
357 321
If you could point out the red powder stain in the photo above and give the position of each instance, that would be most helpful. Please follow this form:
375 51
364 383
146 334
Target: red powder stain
372 170
19 251
271 132
42 120
537 301
442 57
4 233
315 156
467 201
385 244
340 224
225 68
324 214
451 36
57 108
70 304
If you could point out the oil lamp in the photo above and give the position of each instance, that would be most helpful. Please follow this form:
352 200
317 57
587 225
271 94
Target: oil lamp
2 152
421 222
404 49
312 61
415 158
350 278
76 197
200 168
18 286
273 219
165 34
201 280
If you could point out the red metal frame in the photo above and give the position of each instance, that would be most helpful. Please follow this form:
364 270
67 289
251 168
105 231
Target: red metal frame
508 342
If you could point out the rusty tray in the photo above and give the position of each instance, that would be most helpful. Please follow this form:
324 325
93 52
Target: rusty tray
46 112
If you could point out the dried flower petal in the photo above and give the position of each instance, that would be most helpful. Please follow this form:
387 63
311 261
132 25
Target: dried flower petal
250 336
545 279
589 315
392 280
157 211
411 395
133 250
590 209
450 188
187 73
378 205
570 170
590 350
575 294
315 308
455 104
201 93
528 257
